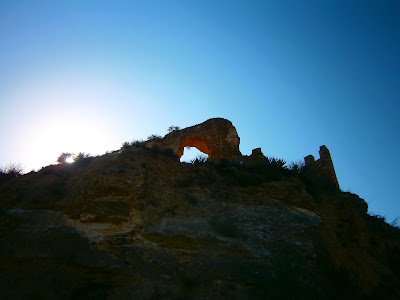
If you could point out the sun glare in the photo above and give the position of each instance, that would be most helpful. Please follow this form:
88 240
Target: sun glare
84 125
70 160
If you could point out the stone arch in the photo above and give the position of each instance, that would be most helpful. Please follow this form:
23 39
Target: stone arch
216 137
201 143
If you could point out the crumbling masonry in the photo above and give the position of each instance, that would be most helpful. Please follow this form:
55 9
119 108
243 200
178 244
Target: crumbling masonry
215 137
219 139
323 167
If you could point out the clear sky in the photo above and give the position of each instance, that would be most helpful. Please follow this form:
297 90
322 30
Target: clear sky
291 76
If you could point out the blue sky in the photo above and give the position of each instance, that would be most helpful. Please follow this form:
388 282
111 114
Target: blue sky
291 76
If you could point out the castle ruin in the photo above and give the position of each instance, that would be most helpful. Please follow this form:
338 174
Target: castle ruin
323 167
215 137
219 139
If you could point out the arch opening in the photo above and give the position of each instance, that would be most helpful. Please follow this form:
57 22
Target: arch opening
197 142
191 153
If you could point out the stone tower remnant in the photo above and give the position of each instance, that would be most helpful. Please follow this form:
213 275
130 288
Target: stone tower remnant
323 167
216 137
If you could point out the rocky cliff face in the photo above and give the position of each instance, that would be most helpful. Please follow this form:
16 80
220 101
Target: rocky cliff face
137 224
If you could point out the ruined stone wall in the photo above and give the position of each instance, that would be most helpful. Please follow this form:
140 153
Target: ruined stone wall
219 139
216 137
323 167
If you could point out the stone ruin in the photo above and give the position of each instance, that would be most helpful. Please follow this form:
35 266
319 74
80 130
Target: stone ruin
219 139
215 137
323 167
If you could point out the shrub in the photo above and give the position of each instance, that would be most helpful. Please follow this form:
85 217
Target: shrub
154 137
138 144
83 158
12 170
395 223
132 144
200 159
173 128
81 155
126 145
63 158
276 162
379 217
296 167
253 173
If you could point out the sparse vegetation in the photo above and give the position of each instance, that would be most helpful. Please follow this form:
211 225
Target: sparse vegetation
199 160
64 157
173 128
11 170
394 223
296 167
83 158
253 173
380 217
133 144
382 220
154 137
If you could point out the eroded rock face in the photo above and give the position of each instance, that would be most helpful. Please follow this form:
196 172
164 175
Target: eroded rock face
216 137
137 224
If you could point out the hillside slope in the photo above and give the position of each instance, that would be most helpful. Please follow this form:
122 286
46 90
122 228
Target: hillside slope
139 224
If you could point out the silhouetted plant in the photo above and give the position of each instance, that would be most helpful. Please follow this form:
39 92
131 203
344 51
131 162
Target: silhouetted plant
63 158
83 158
200 159
395 223
276 162
173 128
254 173
154 137
12 169
132 144
380 217
138 144
126 145
296 167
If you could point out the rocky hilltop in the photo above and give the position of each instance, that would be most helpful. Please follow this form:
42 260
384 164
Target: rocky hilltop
138 224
